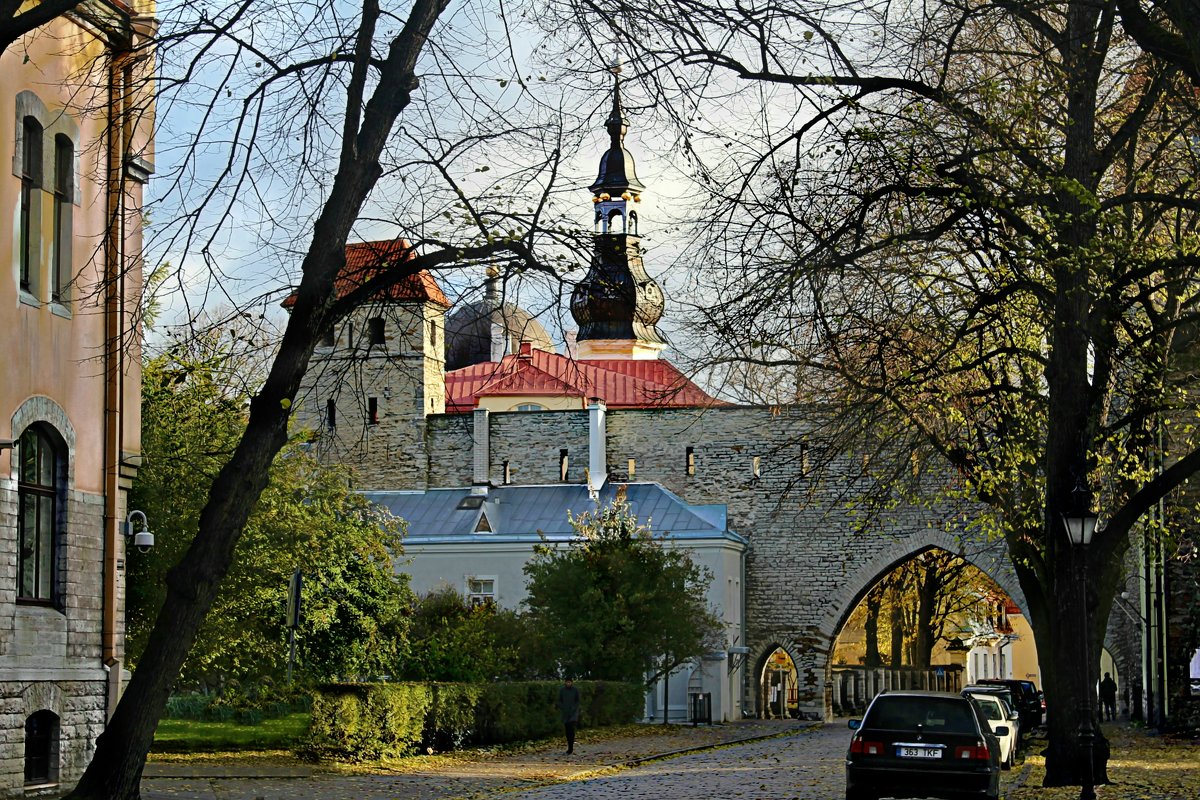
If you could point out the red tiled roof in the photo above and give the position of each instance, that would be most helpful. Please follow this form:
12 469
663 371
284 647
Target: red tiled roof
365 260
620 383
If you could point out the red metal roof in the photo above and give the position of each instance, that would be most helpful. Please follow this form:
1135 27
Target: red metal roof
620 383
365 260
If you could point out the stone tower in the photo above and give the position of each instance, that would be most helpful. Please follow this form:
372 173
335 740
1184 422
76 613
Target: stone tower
380 372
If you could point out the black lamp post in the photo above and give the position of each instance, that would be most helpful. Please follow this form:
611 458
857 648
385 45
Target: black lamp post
1080 525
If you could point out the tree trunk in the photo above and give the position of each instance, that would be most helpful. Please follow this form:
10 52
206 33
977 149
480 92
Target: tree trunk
871 627
1069 683
897 633
116 768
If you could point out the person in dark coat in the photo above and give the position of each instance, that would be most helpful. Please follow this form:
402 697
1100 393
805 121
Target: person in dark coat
568 709
1108 696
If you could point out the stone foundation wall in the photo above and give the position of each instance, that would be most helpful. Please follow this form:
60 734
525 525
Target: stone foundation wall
79 706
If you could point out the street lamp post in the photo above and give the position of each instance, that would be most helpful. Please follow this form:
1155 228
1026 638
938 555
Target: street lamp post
1081 524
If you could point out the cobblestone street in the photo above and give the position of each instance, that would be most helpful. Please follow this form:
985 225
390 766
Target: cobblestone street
796 760
754 760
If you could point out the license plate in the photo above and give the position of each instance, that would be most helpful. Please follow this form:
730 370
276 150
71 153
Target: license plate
907 751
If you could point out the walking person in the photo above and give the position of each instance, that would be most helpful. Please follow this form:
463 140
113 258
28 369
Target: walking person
568 709
1108 696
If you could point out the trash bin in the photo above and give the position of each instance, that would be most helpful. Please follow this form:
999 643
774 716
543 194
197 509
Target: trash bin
700 707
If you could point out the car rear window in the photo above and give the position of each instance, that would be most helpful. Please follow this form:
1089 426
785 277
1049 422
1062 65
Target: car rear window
931 713
990 708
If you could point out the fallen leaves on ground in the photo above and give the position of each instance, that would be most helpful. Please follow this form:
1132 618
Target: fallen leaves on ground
1143 766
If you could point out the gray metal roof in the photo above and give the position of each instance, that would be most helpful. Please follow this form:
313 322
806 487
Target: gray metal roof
531 511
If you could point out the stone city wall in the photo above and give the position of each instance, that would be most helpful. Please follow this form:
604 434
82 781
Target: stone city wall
809 561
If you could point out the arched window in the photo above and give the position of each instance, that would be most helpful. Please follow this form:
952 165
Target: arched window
530 407
39 487
41 748
64 195
31 183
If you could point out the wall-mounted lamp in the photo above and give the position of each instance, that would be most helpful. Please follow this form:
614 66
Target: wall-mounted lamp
737 657
143 540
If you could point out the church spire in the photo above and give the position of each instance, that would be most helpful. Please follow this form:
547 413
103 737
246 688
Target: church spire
617 304
618 175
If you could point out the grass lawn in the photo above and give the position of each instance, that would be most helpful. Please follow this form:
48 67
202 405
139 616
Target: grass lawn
192 736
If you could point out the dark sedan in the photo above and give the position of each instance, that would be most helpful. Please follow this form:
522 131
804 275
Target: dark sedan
922 744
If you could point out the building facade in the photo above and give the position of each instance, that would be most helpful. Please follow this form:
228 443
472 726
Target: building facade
77 142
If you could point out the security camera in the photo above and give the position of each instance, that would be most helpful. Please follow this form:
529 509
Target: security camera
143 540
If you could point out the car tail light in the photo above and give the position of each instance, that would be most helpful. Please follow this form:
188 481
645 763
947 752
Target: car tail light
975 752
866 747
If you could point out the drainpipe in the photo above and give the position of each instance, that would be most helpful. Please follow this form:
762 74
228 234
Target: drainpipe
114 363
121 165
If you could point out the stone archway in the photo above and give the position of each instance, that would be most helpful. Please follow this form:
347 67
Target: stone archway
990 557
771 688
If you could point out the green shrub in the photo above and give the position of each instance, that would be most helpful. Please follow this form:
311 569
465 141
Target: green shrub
366 721
188 706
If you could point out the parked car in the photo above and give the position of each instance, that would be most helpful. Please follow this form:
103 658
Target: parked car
1000 715
923 744
1026 696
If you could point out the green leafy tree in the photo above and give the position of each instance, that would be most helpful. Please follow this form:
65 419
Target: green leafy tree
307 518
616 604
453 640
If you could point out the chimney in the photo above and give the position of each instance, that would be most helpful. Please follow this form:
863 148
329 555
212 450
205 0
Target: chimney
493 311
479 472
597 447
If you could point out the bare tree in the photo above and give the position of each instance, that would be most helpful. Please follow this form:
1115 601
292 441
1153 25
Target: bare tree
973 225
297 127
18 18
1170 29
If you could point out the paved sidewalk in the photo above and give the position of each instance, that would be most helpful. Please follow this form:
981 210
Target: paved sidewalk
474 773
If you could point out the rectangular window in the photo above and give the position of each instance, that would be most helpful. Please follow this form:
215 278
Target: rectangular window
756 467
372 410
433 336
64 186
329 338
31 182
804 465
350 335
375 330
507 473
632 467
481 591
690 457
562 465
330 414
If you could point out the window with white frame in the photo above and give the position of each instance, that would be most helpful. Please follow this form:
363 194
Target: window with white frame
481 590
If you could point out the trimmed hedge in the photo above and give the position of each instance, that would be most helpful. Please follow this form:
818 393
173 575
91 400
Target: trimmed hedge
366 721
